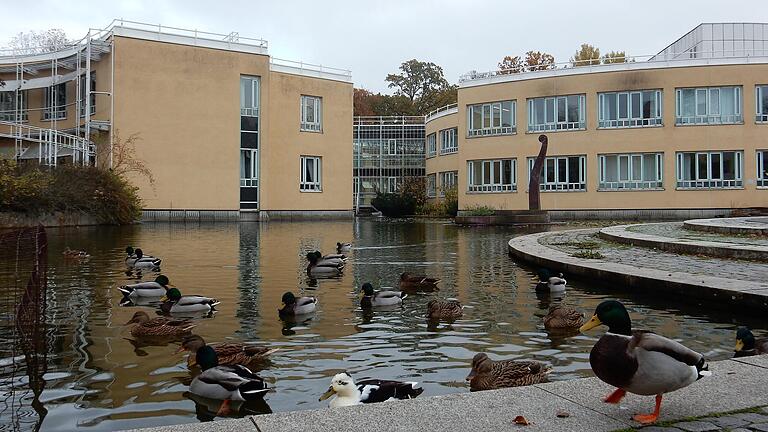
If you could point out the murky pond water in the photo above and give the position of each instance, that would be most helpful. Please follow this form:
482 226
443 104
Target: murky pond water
98 380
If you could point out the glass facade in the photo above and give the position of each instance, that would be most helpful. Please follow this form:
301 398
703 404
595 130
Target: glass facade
708 105
556 113
249 142
629 109
494 118
562 173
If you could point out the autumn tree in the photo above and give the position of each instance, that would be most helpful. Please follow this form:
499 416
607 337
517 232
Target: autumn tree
615 57
39 41
537 60
586 55
424 84
363 101
125 161
511 64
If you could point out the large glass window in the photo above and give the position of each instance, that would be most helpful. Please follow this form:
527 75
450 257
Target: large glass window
708 105
498 175
55 102
709 170
8 102
431 145
311 174
249 96
91 95
629 109
249 168
562 173
761 97
431 185
311 113
448 142
448 180
631 171
496 118
762 168
556 113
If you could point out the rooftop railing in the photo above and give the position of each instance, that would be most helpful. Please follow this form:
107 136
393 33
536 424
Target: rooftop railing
310 69
389 120
439 112
620 63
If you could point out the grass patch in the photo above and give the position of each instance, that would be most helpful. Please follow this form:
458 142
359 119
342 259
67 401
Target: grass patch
586 244
478 210
588 254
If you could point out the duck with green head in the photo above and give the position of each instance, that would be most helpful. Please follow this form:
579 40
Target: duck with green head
225 383
136 259
748 345
373 298
640 362
293 305
174 302
146 289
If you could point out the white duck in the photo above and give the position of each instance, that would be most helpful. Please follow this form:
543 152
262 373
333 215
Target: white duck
367 391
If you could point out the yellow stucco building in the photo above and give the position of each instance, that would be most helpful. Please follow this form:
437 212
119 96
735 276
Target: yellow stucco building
227 131
683 132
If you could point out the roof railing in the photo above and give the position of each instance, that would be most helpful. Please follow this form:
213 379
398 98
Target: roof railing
345 74
439 111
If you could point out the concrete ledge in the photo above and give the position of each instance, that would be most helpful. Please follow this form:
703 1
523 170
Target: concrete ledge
21 220
743 225
505 217
727 292
195 216
734 385
620 234
637 214
190 215
298 215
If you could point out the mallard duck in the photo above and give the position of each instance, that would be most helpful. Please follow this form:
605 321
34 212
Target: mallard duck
75 254
293 305
640 362
418 282
137 260
225 383
160 326
174 302
322 261
373 298
550 282
747 345
228 353
318 269
563 317
331 256
157 288
444 309
367 391
343 247
487 374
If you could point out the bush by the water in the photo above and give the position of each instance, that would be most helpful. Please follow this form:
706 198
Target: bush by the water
409 200
478 210
448 206
68 188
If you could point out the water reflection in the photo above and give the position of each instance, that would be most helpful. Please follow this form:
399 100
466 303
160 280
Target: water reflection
101 378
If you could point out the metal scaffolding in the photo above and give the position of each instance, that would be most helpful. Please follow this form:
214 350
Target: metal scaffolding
386 151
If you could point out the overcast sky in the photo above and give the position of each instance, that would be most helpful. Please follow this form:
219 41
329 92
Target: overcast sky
372 38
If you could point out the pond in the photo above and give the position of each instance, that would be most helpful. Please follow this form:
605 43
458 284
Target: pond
97 379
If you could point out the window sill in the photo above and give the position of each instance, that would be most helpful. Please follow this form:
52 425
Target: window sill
311 131
630 127
448 153
490 192
631 190
709 188
708 124
53 119
431 156
491 135
564 190
311 191
530 132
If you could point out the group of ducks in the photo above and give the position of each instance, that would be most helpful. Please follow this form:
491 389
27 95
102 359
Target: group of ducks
638 362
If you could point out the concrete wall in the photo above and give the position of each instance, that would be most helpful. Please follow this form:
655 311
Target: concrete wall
668 139
440 163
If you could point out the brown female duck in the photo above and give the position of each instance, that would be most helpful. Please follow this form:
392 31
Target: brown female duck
444 309
418 282
229 353
160 326
563 318
487 374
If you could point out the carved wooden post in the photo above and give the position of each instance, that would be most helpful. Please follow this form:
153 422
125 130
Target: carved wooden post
534 203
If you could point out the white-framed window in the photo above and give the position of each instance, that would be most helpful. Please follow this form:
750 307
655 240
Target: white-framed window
91 96
762 168
629 109
497 175
249 96
761 98
391 147
709 170
495 118
448 142
391 184
311 113
311 174
8 103
431 145
249 168
556 113
55 102
431 185
708 105
635 171
562 173
448 179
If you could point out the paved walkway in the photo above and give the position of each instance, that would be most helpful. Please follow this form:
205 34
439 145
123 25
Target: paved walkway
644 235
676 230
755 420
755 225
557 406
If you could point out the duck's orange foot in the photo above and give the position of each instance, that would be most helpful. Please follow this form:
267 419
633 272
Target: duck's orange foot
224 409
646 418
615 397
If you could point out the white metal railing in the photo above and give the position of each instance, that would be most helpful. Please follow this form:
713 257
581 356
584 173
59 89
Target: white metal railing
710 184
311 126
310 69
233 37
761 118
249 182
563 187
631 185
556 126
10 115
619 63
506 130
709 119
492 188
49 140
448 109
449 150
630 123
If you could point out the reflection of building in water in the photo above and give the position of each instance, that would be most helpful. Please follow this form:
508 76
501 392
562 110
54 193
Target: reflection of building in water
387 150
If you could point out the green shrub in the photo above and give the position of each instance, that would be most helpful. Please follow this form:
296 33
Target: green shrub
448 206
394 204
478 210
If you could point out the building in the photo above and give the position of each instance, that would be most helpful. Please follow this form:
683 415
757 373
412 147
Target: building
227 131
682 133
387 150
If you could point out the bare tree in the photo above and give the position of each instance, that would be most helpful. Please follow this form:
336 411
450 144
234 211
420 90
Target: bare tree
39 41
124 158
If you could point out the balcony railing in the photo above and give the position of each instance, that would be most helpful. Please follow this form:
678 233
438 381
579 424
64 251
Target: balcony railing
489 188
552 127
710 184
630 123
507 130
713 119
631 185
448 109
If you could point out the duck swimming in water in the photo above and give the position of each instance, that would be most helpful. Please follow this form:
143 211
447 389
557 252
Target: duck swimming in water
159 326
318 269
343 247
293 305
444 309
174 302
487 374
137 260
418 282
367 391
549 282
228 353
157 288
747 345
373 298
640 362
